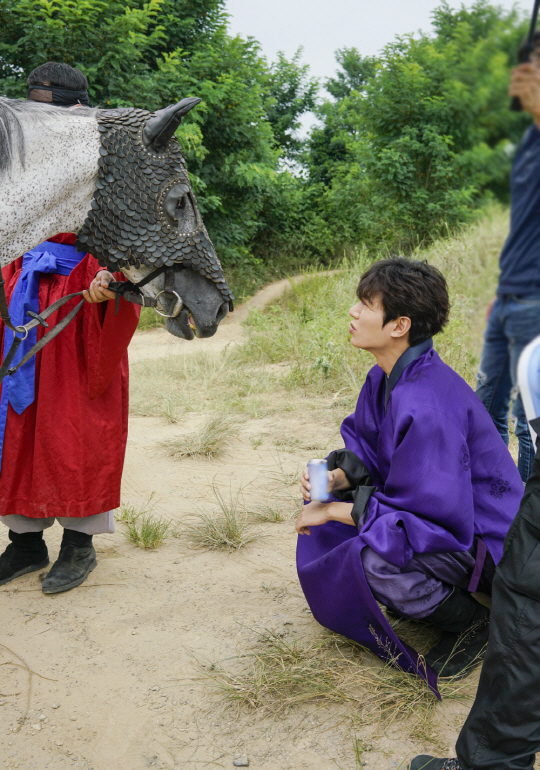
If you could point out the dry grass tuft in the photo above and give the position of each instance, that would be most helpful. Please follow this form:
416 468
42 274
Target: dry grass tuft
147 531
209 441
227 528
129 511
143 528
270 514
282 674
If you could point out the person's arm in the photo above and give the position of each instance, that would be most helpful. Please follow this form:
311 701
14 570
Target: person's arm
427 503
315 514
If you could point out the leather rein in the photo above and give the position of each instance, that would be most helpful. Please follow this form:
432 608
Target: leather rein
127 289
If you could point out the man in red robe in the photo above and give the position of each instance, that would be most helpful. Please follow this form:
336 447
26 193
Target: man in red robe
63 449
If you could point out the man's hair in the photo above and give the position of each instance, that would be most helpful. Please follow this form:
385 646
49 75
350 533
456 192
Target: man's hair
407 287
60 75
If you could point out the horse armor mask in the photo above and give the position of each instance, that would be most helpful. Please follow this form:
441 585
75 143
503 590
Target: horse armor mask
143 208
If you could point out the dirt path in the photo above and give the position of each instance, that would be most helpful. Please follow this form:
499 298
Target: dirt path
157 342
118 662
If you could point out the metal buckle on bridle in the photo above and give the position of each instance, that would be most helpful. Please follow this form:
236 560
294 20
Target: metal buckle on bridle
22 330
177 307
132 291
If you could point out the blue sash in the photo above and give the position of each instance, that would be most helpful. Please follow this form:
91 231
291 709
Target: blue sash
19 388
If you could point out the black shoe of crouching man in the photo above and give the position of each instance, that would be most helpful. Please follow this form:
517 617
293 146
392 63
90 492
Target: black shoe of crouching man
465 626
26 553
76 560
425 762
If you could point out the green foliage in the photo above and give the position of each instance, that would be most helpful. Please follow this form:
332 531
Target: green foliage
355 73
411 144
418 139
291 93
150 54
307 329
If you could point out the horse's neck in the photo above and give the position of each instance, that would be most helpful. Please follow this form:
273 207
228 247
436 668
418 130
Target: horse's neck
52 191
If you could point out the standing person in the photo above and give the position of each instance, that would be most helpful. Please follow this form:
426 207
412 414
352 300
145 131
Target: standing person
514 315
63 415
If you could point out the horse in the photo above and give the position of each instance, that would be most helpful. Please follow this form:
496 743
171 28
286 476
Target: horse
118 179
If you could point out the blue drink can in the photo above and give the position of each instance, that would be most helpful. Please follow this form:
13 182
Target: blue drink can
318 478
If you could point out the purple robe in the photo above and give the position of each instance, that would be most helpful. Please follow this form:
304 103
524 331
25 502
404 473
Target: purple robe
444 477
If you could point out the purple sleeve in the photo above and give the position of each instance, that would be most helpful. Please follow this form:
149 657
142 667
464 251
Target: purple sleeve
427 502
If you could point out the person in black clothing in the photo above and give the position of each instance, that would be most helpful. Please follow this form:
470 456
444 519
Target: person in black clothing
514 316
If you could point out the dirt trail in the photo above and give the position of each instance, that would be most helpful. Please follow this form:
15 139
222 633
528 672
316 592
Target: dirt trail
156 343
118 661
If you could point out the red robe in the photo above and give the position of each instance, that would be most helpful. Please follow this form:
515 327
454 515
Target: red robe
63 456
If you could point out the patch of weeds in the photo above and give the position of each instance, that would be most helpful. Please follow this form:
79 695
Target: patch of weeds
168 408
282 477
209 441
270 514
288 673
147 531
225 529
288 443
129 511
256 441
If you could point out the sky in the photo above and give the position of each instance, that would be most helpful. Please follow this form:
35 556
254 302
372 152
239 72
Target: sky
322 26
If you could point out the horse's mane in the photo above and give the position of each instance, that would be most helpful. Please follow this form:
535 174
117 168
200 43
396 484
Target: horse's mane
12 115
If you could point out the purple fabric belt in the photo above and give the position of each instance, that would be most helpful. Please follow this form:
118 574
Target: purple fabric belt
481 553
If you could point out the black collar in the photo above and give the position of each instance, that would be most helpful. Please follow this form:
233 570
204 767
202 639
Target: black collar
406 358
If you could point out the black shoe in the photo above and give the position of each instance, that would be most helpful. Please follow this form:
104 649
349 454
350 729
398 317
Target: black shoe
76 560
465 625
425 762
26 553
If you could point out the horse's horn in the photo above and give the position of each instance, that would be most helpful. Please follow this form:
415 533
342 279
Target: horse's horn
161 127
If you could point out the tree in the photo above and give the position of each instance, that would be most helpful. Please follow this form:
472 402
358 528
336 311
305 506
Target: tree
290 93
150 54
426 139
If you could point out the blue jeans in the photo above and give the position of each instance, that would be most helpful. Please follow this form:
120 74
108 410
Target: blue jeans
513 323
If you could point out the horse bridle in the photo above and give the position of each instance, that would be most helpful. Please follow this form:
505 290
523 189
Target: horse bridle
132 291
128 289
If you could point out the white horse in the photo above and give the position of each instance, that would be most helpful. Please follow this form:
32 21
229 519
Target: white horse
60 172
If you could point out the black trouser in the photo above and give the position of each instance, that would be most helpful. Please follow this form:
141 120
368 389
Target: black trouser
502 731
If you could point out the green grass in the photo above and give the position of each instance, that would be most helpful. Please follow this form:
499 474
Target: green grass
307 328
147 531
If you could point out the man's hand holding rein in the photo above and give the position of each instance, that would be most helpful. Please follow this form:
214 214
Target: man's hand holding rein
98 291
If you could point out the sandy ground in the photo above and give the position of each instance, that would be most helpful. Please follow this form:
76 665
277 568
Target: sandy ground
116 664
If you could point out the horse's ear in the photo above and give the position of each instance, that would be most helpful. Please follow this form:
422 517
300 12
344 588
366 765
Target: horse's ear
160 128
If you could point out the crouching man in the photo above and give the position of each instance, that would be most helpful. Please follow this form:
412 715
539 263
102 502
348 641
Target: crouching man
422 495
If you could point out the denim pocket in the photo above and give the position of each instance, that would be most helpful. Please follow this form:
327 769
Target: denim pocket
532 300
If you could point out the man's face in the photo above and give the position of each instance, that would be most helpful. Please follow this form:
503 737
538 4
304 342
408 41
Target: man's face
41 96
366 328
